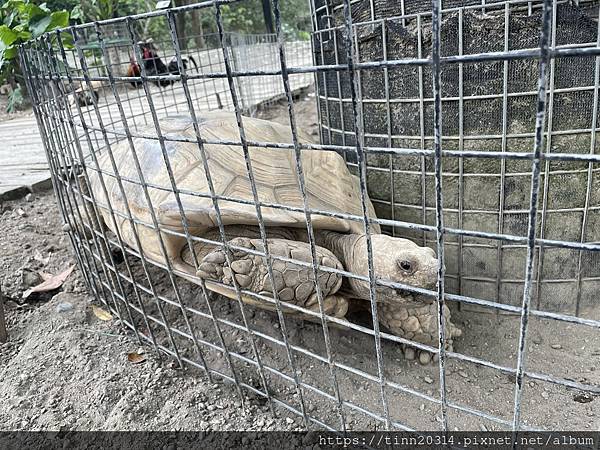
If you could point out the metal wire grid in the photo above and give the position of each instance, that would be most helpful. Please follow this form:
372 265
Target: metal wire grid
489 93
209 93
73 139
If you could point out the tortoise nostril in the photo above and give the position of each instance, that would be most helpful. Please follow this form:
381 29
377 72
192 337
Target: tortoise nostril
406 265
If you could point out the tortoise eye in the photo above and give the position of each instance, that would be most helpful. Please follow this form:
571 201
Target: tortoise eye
406 266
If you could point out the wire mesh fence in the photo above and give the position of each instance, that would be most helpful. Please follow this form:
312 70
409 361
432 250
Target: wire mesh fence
470 129
486 105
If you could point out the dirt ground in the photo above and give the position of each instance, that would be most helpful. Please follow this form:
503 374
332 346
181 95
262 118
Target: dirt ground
65 368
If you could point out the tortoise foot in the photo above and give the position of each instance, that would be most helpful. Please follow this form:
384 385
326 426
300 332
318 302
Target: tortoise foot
422 356
418 323
294 283
333 305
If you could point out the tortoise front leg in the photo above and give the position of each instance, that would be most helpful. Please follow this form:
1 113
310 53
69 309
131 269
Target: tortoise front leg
417 323
294 283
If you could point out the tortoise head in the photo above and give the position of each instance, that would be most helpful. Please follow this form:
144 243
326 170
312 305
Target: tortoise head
397 260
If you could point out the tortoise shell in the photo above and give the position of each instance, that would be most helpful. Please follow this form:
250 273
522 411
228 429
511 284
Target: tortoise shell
329 184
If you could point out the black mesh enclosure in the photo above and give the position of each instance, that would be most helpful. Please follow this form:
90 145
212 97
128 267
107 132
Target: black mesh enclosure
487 105
390 221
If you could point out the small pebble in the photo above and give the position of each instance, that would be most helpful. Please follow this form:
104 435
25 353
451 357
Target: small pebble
463 374
428 380
64 307
422 407
289 420
30 278
545 395
29 197
66 227
556 346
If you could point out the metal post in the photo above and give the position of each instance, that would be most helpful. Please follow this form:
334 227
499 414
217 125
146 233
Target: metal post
533 209
3 327
436 20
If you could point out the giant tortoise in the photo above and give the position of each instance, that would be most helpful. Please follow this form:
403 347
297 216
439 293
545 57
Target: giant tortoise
330 187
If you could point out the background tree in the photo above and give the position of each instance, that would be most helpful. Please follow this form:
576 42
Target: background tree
246 16
23 20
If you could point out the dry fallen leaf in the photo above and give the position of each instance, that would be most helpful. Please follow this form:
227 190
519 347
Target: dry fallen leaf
101 313
135 358
54 282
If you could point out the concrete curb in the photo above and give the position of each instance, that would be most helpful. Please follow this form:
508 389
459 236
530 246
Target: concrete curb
21 191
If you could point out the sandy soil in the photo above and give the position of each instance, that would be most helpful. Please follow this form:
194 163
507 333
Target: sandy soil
64 368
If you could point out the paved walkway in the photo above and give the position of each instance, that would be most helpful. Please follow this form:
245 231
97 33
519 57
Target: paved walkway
22 158
23 165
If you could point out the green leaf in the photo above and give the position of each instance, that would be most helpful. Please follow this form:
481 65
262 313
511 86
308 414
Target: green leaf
22 27
38 28
8 20
9 53
32 12
76 13
13 5
24 35
66 39
7 36
59 19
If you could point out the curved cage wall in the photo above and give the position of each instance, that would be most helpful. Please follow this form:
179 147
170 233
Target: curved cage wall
488 105
250 251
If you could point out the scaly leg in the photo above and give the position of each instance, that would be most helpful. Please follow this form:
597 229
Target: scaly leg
293 283
417 323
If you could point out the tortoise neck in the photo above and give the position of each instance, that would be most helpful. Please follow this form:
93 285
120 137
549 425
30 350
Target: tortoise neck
340 244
